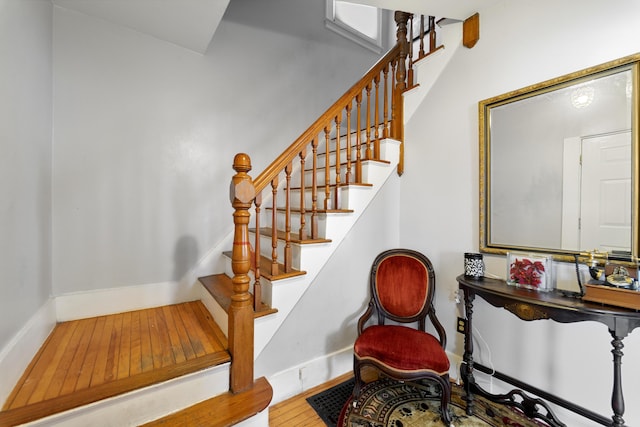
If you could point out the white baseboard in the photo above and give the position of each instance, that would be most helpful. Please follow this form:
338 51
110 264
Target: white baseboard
17 354
80 305
307 375
454 366
304 376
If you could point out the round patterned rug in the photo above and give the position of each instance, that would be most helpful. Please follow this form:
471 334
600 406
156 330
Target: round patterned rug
388 403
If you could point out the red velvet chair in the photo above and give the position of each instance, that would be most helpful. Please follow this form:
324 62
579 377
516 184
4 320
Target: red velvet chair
402 285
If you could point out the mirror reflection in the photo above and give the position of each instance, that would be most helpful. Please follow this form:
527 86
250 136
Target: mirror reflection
557 164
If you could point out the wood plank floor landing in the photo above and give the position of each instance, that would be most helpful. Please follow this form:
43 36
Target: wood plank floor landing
296 411
83 361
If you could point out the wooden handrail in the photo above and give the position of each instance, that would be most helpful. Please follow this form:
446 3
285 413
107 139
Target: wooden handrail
262 180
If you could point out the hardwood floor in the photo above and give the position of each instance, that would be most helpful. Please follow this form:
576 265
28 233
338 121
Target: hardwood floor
297 412
86 360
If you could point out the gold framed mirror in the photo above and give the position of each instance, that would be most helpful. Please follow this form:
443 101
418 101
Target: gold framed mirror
559 165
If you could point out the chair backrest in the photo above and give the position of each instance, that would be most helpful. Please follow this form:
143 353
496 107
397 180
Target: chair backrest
402 285
402 289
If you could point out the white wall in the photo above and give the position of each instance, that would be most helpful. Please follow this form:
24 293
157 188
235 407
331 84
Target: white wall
325 319
145 133
25 162
521 43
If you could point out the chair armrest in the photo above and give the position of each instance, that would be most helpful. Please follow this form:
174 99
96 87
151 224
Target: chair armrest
366 316
442 335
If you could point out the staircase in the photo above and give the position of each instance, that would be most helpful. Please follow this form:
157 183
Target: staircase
311 196
288 221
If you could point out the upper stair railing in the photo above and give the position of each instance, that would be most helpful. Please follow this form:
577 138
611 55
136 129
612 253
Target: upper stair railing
426 28
306 181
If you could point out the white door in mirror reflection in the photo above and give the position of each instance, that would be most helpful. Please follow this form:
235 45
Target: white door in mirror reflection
596 210
606 183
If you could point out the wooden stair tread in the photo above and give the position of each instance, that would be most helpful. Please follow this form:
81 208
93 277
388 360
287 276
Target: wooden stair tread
265 269
87 360
224 410
220 287
321 187
420 58
295 237
332 166
321 211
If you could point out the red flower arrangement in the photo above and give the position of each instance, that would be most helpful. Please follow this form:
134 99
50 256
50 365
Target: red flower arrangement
526 272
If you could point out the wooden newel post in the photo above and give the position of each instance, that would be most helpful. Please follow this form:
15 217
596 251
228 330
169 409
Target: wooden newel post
401 19
241 319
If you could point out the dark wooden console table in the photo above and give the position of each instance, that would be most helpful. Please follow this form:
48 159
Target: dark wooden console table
532 305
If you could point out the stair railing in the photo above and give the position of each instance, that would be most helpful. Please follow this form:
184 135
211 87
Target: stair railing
426 28
323 160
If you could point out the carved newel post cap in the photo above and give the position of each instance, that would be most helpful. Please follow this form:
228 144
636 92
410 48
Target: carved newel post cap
401 17
241 189
242 162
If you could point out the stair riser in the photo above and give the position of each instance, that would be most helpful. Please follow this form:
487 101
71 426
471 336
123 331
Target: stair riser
343 138
266 249
320 172
146 404
295 222
343 152
294 197
321 196
295 175
321 178
342 203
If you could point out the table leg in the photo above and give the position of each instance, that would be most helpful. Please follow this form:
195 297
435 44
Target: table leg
466 369
617 398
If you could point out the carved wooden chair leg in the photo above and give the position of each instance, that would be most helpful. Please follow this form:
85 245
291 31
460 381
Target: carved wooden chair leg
444 406
445 399
357 387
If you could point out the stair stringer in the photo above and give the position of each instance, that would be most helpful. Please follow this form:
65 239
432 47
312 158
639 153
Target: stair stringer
428 69
286 293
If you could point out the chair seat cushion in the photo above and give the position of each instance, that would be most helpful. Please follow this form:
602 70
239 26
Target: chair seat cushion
401 348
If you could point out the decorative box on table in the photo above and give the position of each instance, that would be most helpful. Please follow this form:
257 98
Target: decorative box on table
609 295
530 271
620 289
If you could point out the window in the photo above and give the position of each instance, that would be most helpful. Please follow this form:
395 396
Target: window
359 23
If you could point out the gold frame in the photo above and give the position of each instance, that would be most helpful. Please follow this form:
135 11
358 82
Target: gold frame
484 108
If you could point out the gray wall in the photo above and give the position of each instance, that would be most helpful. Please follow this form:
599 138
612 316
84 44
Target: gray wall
25 161
145 133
